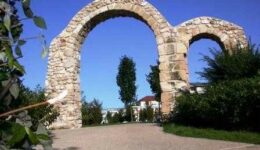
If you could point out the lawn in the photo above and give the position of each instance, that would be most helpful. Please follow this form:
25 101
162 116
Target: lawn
237 136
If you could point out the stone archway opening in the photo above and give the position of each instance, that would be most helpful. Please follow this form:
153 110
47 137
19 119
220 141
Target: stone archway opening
101 53
64 56
207 36
197 50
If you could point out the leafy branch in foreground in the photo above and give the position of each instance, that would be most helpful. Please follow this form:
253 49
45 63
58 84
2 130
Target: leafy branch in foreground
17 131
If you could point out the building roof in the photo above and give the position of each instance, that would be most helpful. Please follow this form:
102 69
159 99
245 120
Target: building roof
147 99
198 84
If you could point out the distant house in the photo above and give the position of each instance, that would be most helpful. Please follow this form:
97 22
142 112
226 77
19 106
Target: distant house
148 101
143 103
113 111
140 105
198 87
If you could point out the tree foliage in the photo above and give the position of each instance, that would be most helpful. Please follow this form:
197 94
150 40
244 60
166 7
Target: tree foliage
16 131
129 115
116 118
233 104
147 114
232 64
153 78
91 112
42 114
126 78
232 97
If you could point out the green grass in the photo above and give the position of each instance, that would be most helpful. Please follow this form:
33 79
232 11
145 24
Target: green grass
237 136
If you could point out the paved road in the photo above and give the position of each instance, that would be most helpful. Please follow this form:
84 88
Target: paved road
136 137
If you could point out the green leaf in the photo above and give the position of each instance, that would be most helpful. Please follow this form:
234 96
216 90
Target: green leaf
18 134
27 11
43 136
21 42
10 57
2 147
39 21
18 67
14 90
18 51
24 119
45 51
3 57
3 76
7 100
4 83
7 22
26 3
41 129
5 6
32 136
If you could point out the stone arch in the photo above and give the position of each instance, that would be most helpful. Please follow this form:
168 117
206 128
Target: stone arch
226 34
64 55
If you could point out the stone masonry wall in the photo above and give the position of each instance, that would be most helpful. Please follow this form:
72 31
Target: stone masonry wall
173 43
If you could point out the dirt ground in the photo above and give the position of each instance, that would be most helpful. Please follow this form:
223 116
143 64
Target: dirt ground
136 137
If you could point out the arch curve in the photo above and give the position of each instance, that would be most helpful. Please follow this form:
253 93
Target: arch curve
64 55
207 36
226 34
221 31
99 11
173 43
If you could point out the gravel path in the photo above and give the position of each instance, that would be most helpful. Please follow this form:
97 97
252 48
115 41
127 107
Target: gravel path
136 137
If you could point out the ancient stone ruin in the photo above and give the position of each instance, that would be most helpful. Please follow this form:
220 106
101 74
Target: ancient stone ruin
173 44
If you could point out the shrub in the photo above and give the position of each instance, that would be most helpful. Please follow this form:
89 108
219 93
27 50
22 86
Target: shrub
129 115
227 105
42 114
116 118
232 64
147 114
143 115
150 114
121 115
91 112
109 117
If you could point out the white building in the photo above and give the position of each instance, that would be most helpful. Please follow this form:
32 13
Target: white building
143 103
140 105
148 101
197 88
113 111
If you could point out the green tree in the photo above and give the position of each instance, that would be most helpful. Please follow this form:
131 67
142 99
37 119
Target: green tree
147 114
41 114
231 105
129 116
153 78
126 78
150 114
18 131
121 115
232 64
143 115
116 118
109 117
91 112
231 99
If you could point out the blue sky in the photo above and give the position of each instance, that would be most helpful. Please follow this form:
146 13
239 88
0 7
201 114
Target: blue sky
127 36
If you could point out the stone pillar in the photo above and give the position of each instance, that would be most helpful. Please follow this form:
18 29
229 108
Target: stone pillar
63 73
